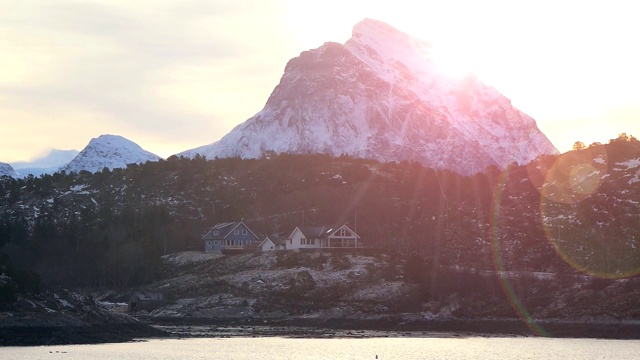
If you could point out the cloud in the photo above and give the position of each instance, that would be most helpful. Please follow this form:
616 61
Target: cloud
142 67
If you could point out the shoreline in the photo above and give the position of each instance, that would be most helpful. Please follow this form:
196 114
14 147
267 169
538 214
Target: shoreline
392 326
76 335
310 328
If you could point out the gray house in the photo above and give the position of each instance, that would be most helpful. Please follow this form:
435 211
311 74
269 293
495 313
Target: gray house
232 235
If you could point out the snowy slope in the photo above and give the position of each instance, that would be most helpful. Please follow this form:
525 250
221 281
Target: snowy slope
7 170
45 165
381 96
110 151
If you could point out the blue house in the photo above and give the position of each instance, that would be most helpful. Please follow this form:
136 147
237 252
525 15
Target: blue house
232 235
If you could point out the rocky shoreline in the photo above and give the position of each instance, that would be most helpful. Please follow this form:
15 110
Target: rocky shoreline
298 327
67 335
62 317
388 327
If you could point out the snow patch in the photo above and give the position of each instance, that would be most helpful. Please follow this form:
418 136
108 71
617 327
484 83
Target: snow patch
629 164
62 301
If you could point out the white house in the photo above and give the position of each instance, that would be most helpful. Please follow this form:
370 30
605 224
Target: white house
273 243
323 237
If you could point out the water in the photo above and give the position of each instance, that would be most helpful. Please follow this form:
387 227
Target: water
279 348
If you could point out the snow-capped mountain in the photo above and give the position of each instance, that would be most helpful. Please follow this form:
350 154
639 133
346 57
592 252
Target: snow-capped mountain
45 165
7 170
381 96
110 151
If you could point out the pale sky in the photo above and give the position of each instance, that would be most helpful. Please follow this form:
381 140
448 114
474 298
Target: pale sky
172 75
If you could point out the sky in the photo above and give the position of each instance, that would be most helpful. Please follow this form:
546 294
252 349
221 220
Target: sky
172 75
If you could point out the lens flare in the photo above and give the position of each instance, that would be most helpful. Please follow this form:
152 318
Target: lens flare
574 175
577 219
505 283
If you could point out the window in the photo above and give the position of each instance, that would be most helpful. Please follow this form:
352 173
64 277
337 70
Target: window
335 243
303 241
244 231
236 232
216 232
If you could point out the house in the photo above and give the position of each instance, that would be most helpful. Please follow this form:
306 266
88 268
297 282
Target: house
231 235
145 301
323 237
272 243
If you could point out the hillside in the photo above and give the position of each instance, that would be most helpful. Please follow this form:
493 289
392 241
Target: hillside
381 292
571 218
166 206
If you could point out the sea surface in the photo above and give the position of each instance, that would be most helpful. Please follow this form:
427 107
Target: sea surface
367 348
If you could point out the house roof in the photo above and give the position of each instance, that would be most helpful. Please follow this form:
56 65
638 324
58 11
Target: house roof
276 240
223 230
319 232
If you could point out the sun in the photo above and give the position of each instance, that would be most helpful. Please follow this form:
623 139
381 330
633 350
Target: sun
311 25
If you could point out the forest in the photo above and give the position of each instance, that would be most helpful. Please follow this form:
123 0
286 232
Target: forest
571 213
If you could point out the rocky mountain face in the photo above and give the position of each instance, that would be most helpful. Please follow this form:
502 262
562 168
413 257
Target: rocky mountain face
381 96
7 170
110 151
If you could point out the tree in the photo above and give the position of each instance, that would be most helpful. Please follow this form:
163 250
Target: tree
578 145
415 269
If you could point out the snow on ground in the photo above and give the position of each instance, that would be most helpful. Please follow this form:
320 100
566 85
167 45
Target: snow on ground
62 301
258 272
629 164
189 258
76 188
379 292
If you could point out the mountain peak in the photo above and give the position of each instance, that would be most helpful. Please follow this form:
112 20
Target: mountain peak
7 170
374 28
381 96
379 32
388 43
110 151
112 140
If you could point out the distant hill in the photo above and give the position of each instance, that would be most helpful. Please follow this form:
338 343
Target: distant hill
7 170
45 165
110 151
